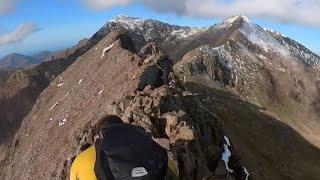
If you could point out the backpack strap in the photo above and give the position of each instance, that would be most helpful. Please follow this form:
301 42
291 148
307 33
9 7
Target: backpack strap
101 166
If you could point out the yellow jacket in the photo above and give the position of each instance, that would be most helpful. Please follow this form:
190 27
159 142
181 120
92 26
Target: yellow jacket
82 167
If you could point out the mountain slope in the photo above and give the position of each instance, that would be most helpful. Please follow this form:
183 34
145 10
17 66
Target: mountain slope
19 90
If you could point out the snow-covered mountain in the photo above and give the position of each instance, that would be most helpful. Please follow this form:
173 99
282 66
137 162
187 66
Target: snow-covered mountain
149 29
183 38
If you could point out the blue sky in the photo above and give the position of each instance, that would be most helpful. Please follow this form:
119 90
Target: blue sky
58 24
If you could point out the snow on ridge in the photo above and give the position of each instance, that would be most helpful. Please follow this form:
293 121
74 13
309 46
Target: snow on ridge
274 32
256 35
185 33
294 48
300 51
138 24
129 22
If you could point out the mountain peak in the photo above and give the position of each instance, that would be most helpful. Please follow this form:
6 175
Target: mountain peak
128 22
122 17
237 18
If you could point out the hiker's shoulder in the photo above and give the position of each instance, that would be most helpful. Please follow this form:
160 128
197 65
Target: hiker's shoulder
89 153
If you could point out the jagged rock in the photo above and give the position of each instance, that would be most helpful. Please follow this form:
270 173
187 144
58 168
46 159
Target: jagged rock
150 49
177 130
171 129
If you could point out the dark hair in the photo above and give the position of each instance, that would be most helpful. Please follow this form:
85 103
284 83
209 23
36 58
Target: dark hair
105 122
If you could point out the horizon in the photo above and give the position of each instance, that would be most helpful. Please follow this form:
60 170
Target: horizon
26 31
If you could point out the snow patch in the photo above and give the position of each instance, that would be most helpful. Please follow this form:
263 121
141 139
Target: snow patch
105 50
61 84
55 105
63 122
226 154
50 119
227 140
185 33
80 81
247 173
100 92
221 53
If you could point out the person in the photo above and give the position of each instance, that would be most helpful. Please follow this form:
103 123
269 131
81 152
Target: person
122 151
157 74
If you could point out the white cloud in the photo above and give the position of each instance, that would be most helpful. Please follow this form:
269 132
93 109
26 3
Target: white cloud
19 34
7 6
289 11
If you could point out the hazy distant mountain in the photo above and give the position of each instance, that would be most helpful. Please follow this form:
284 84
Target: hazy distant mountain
18 61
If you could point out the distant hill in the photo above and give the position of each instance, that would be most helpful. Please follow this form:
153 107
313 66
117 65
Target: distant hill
16 61
20 61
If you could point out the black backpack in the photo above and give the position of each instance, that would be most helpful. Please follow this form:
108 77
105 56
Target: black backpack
127 152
